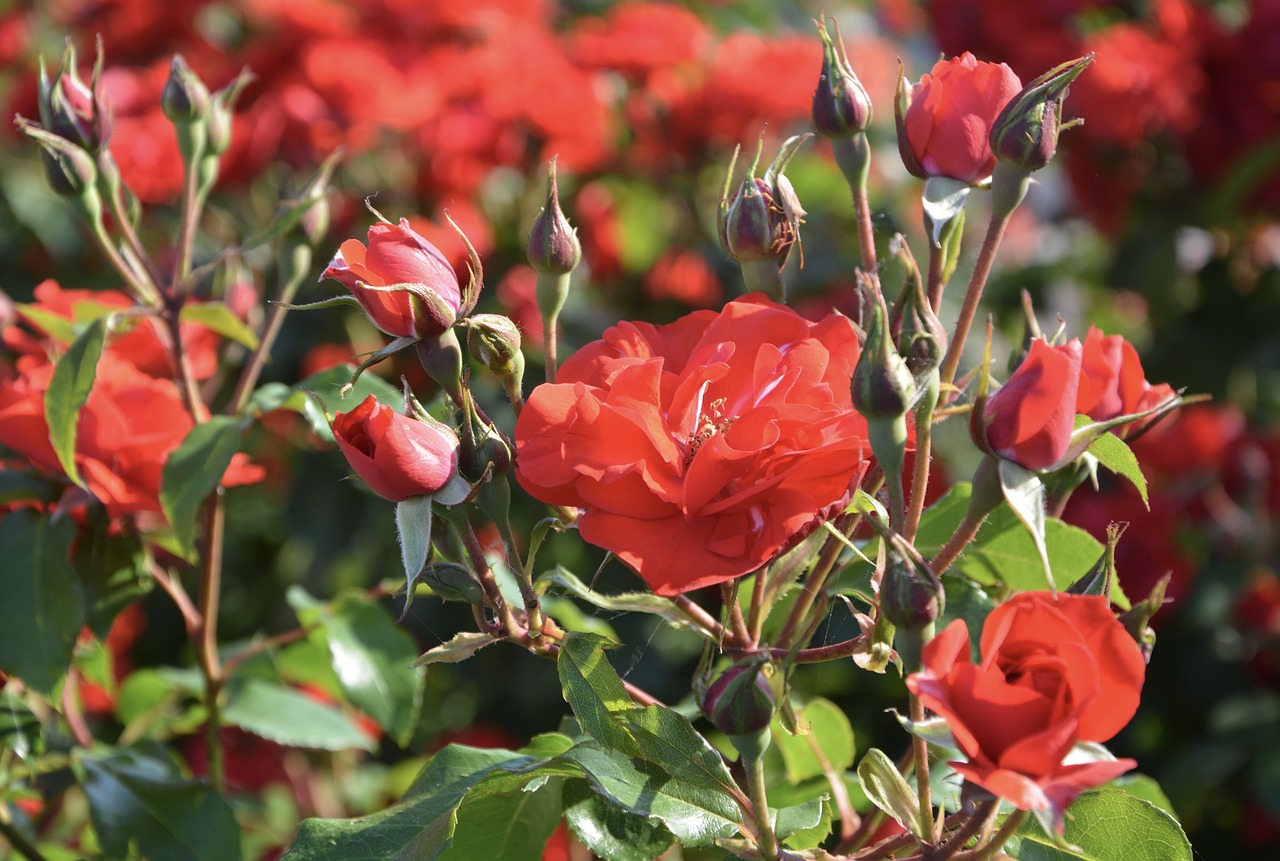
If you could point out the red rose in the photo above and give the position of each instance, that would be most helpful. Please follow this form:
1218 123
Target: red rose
702 448
946 128
397 456
1055 670
1112 382
126 430
426 295
1029 420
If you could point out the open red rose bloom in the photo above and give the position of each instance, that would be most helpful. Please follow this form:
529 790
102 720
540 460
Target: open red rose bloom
701 448
1056 670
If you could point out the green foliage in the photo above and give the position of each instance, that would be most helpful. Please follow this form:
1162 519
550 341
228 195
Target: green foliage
1107 825
1115 455
69 388
291 718
888 790
219 317
609 831
42 608
193 470
137 797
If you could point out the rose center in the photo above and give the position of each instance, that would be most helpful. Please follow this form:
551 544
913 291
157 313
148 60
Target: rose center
711 421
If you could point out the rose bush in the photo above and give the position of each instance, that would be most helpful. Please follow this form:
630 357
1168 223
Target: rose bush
401 280
1056 670
701 448
949 113
397 456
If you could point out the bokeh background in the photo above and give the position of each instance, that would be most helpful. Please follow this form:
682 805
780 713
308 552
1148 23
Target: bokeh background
1159 220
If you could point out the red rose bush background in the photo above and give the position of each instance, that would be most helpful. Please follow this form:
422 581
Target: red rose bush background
735 524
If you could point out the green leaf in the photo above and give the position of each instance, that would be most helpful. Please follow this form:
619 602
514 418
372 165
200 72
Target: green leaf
421 825
112 572
219 317
609 831
193 470
138 797
594 691
798 818
1024 491
1113 453
795 837
69 388
1004 551
371 658
462 646
413 529
328 386
56 326
695 815
20 729
510 827
888 790
1107 825
42 609
966 600
291 718
829 734
666 737
627 602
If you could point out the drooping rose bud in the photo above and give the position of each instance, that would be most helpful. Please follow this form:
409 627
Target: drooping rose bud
740 702
841 106
1025 134
1029 420
68 167
494 341
397 456
945 119
402 281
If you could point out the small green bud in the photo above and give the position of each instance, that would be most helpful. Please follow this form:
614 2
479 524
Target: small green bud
185 98
453 582
882 386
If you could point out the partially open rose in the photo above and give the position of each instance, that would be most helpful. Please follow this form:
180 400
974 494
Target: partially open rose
701 448
1055 670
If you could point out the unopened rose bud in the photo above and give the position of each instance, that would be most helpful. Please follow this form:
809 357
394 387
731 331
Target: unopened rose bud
762 220
450 581
1025 134
68 167
841 106
882 386
73 110
911 595
922 339
553 244
185 98
740 702
494 341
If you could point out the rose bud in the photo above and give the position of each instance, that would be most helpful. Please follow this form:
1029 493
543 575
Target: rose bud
402 281
945 119
1029 420
1025 134
841 106
185 98
740 702
450 581
553 244
397 456
73 110
911 595
760 223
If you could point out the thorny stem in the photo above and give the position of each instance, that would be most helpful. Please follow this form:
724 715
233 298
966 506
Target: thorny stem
956 544
977 282
756 616
765 837
1007 830
206 642
266 644
733 610
920 475
920 748
866 232
173 588
977 821
141 290
934 285
187 381
461 525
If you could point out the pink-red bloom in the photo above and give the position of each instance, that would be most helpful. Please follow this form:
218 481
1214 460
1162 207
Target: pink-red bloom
401 280
1056 670
946 126
1112 382
397 456
1030 419
702 448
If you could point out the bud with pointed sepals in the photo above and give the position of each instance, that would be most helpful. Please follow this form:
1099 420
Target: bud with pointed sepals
75 110
450 581
1025 134
841 106
68 167
553 244
911 595
221 111
760 223
921 337
494 341
741 701
185 98
1101 578
882 385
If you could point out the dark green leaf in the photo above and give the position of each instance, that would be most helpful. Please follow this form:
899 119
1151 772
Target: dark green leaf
372 659
20 729
1004 551
609 831
804 826
291 718
1115 455
1107 825
138 797
594 691
695 815
69 389
42 609
221 319
510 827
666 737
193 470
421 825
112 572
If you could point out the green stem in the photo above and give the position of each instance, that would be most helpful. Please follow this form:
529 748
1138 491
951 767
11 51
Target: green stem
920 748
924 453
207 640
764 276
976 822
552 292
765 836
275 320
